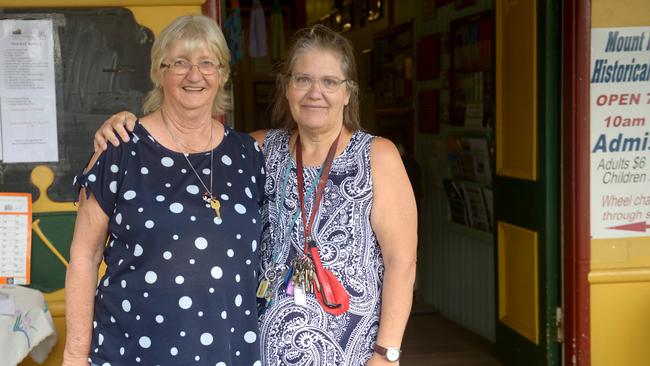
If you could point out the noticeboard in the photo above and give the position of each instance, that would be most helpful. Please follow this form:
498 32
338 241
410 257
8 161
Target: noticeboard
101 66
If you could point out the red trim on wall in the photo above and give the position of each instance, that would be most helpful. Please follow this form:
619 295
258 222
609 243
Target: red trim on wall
299 14
212 8
577 34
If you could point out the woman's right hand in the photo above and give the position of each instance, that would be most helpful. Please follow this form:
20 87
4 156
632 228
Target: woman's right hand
120 124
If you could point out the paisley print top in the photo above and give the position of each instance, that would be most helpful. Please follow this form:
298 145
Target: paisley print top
297 335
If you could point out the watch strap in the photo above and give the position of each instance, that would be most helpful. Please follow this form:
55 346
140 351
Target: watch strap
383 351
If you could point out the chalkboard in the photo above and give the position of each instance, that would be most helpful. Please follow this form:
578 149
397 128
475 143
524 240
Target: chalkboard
102 60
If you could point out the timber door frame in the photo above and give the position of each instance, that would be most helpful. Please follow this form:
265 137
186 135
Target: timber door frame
576 223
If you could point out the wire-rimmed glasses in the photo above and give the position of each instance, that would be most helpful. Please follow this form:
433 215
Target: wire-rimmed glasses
183 67
328 84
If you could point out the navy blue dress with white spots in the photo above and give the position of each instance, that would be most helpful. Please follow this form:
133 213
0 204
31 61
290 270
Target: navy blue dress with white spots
180 283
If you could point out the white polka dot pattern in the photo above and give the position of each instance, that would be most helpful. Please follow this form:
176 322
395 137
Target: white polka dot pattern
178 277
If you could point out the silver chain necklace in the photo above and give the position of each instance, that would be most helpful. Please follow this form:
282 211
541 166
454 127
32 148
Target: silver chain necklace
208 196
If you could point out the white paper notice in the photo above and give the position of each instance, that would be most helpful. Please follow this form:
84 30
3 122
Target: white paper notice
620 132
27 93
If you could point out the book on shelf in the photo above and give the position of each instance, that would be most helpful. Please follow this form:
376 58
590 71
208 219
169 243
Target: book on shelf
470 204
457 204
489 203
469 159
478 149
477 210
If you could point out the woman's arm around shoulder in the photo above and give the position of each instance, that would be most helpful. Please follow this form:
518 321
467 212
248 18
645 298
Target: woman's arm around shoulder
118 125
394 221
259 137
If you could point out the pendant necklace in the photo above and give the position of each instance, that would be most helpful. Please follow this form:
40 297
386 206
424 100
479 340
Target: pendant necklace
207 196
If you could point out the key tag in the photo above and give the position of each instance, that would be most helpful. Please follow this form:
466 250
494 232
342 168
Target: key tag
261 289
299 297
264 285
289 290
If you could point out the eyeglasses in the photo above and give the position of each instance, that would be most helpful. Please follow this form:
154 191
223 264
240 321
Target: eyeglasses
183 67
327 84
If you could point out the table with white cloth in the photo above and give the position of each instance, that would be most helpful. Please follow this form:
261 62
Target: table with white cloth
26 325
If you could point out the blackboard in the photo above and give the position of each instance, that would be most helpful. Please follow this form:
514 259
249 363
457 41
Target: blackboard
102 59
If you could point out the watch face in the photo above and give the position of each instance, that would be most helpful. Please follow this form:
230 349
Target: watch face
392 354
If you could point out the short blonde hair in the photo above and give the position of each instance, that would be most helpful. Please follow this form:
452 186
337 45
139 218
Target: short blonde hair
194 30
317 37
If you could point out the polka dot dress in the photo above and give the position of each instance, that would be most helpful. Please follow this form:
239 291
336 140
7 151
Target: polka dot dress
180 284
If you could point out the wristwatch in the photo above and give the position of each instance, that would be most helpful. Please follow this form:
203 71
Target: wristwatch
391 353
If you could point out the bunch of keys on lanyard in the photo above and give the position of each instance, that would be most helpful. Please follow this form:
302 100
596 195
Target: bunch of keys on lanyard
298 280
301 279
305 277
301 276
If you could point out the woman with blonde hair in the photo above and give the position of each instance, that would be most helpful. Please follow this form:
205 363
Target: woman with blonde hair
180 203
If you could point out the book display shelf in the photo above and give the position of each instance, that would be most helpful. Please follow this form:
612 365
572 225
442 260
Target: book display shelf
470 144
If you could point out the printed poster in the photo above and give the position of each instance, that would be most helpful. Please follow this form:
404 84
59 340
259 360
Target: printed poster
620 132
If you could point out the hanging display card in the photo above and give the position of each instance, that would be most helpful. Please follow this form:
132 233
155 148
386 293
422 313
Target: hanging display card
15 237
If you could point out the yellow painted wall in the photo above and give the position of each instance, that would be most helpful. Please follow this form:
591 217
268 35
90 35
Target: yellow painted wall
620 268
154 14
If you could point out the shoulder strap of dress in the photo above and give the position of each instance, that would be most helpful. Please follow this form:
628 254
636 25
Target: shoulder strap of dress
361 142
275 139
365 143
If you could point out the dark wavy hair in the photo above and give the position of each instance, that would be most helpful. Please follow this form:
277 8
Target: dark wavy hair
317 37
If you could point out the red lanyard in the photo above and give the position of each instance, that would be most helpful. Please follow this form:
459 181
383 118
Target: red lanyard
324 175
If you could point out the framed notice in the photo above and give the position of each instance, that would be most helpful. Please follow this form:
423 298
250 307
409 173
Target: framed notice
15 237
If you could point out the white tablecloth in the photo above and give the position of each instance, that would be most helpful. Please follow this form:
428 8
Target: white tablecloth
26 326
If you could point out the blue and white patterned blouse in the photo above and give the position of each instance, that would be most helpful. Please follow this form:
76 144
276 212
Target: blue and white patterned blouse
180 284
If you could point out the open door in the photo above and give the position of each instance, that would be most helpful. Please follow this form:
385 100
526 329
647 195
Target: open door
527 183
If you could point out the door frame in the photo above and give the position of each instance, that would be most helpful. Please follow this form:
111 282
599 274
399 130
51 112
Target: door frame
576 21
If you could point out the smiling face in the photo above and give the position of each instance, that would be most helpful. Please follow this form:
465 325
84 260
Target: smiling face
315 108
193 90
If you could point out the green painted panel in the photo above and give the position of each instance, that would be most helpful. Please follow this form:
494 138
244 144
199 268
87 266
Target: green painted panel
48 272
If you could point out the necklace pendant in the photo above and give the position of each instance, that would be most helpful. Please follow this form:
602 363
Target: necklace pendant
213 202
216 206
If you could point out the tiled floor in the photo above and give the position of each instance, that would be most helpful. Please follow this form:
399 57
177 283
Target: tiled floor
431 340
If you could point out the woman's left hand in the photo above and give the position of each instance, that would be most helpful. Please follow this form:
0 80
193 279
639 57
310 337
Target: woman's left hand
118 125
377 360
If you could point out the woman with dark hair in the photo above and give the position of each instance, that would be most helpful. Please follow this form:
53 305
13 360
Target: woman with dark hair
361 225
